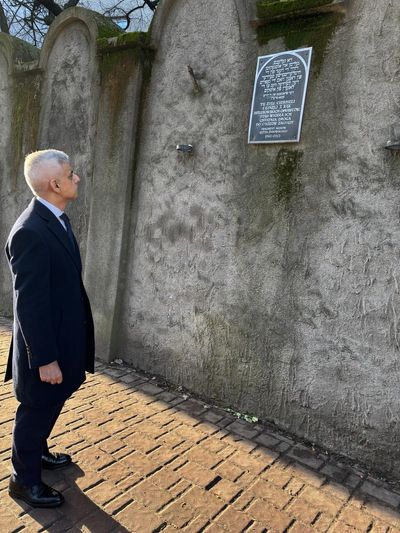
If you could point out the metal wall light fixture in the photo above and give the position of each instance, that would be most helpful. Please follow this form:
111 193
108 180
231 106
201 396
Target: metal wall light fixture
184 148
393 143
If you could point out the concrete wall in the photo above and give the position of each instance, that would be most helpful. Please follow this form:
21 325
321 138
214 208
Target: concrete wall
266 277
263 277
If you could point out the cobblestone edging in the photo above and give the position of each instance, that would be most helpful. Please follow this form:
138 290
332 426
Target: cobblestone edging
148 460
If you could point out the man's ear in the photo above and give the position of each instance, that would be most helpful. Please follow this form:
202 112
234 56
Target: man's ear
54 185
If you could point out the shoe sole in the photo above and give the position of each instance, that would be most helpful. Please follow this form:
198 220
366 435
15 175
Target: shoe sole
38 505
55 467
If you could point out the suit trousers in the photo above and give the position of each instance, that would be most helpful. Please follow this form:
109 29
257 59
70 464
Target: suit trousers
32 427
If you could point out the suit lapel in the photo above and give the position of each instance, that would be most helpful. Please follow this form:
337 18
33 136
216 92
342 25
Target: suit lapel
56 228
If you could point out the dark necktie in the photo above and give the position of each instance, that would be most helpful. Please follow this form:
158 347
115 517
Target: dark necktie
67 223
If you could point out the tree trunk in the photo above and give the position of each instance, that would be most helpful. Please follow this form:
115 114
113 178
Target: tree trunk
53 8
3 21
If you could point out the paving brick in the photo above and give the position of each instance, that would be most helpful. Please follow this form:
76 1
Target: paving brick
170 439
323 522
336 490
205 503
163 455
381 527
112 445
265 454
267 440
322 501
298 527
165 478
334 472
243 501
277 476
242 429
138 519
249 463
150 388
383 513
303 511
94 458
77 505
190 433
303 473
180 488
38 518
267 491
139 463
233 520
267 514
213 444
240 443
184 418
304 455
294 486
352 481
103 492
62 525
99 522
200 455
197 474
212 416
229 470
150 495
215 528
118 503
356 518
197 524
179 513
380 493
226 490
340 527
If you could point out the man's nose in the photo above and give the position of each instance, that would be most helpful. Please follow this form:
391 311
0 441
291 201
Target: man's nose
77 178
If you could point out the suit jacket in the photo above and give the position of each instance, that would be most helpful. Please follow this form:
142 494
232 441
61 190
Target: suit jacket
52 315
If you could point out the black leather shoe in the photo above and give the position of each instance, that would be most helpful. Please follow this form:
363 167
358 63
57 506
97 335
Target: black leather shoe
40 495
52 461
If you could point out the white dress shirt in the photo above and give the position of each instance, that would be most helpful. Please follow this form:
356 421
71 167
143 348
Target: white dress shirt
55 210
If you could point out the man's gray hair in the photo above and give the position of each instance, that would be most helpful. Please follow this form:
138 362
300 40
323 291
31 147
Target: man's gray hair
35 161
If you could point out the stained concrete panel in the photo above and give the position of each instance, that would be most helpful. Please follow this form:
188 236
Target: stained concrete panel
68 108
5 177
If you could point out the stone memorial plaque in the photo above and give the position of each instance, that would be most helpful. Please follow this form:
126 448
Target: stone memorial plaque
278 97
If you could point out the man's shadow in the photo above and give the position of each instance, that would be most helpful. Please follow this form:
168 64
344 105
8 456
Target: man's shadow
78 510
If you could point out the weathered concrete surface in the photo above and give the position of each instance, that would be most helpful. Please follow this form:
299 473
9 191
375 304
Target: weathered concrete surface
69 102
5 166
112 191
19 93
267 277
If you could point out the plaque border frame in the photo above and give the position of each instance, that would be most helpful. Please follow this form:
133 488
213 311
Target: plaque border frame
258 72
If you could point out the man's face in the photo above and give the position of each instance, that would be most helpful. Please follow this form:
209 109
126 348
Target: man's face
67 182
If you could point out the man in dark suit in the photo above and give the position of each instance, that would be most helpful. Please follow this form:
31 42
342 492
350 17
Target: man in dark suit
53 336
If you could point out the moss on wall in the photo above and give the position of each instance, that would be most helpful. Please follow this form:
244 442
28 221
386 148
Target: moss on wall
225 364
120 57
286 181
270 8
138 44
315 31
24 52
25 117
105 26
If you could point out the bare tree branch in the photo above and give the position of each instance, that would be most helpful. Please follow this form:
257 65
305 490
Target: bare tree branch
29 19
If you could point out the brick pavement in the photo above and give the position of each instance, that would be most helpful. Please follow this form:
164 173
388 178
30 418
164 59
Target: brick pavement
150 460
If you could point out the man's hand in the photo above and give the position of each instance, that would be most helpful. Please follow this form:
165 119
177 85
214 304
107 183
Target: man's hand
51 373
